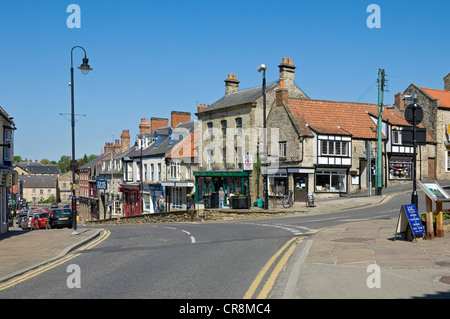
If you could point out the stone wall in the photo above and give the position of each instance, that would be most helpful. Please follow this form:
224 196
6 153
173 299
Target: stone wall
187 216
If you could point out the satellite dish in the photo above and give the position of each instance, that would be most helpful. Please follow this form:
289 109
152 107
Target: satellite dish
409 114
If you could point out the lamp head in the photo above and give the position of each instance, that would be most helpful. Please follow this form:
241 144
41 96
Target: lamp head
85 68
260 68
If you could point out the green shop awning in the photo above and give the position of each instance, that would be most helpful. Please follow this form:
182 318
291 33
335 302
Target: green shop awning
222 173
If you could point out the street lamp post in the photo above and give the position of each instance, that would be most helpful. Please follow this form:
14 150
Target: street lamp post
85 68
263 68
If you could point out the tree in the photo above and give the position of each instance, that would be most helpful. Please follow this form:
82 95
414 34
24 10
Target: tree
64 163
17 159
45 161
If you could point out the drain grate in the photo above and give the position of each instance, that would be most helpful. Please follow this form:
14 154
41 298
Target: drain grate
445 280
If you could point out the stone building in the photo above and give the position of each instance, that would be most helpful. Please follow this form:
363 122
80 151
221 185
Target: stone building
322 147
436 109
230 131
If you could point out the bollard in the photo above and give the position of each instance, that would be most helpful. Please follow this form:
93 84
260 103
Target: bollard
440 224
430 228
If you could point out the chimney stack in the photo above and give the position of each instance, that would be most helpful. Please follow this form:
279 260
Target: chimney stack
157 122
447 82
287 72
144 127
281 95
125 137
108 147
399 102
231 84
201 107
177 117
117 146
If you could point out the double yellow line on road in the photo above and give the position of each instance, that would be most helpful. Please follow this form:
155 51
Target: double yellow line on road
104 234
286 252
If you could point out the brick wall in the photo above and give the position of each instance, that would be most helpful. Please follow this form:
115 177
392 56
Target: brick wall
177 117
157 122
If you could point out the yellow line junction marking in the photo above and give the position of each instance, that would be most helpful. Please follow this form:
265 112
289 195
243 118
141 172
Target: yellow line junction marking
285 252
104 234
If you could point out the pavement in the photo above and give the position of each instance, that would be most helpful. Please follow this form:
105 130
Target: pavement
357 260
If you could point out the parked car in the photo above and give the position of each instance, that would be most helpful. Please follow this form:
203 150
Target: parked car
20 218
27 220
60 217
54 205
39 220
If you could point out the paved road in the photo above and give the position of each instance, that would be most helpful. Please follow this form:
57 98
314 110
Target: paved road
197 261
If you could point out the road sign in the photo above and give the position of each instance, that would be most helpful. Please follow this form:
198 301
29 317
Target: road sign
407 136
248 162
409 114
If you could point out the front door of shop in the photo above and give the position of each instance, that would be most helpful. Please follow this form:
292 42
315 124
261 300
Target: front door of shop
300 187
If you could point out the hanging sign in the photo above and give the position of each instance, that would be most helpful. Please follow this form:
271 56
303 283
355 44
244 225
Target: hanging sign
101 184
409 216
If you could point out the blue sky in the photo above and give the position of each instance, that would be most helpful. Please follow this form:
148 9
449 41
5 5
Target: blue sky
152 57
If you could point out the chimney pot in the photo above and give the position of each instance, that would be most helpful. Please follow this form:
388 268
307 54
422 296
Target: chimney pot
287 72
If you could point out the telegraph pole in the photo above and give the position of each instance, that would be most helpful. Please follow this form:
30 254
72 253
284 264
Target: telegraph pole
379 171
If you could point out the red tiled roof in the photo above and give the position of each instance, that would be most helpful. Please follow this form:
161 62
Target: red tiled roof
352 118
442 96
325 117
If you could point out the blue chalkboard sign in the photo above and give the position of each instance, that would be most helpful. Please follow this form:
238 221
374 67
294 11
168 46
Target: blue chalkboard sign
409 216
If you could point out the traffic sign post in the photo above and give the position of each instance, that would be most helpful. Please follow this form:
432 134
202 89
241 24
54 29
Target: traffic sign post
414 115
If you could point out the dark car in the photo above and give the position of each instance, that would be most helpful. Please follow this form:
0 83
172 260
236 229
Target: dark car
60 217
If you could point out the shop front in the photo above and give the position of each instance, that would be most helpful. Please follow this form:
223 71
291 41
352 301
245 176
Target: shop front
152 195
132 199
177 194
295 179
208 183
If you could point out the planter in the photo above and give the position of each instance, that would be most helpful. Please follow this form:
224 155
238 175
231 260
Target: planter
240 202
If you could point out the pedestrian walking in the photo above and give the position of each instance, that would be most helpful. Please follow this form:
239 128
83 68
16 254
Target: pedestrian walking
221 197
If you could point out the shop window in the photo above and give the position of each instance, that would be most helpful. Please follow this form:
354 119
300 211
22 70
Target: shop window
331 181
400 169
277 185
